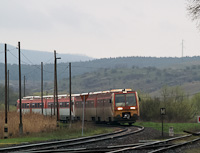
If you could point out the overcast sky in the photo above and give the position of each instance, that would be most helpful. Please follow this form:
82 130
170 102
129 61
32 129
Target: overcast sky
100 28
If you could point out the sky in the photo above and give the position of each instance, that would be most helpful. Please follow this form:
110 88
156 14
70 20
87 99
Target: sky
101 28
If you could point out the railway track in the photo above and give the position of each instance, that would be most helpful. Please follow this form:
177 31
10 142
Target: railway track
153 147
58 145
150 147
161 146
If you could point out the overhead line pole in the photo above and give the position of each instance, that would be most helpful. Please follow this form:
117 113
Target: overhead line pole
6 113
20 98
24 86
42 86
70 93
8 90
57 94
54 95
56 87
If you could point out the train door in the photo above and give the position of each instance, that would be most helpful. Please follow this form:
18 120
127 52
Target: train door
30 106
103 110
73 105
44 106
108 109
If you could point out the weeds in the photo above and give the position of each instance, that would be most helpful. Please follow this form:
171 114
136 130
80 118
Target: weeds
32 123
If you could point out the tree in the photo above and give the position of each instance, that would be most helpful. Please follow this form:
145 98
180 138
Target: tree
194 10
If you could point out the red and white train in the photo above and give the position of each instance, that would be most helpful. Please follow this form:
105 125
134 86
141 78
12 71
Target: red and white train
117 105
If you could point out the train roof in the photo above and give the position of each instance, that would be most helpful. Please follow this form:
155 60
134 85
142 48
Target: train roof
31 97
76 95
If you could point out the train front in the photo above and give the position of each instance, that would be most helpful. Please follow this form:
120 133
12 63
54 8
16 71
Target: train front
126 107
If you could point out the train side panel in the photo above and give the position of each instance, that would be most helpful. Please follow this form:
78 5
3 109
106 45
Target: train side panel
104 107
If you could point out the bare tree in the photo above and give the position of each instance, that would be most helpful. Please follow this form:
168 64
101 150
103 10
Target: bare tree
193 8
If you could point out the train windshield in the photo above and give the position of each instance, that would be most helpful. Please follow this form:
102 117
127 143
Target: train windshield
120 100
130 99
125 100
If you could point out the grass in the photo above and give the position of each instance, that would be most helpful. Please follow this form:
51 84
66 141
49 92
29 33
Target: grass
178 127
64 132
32 123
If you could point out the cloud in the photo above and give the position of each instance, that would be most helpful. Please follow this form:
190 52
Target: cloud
100 28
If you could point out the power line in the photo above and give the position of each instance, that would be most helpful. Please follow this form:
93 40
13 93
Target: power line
48 60
37 67
27 58
15 48
64 70
86 67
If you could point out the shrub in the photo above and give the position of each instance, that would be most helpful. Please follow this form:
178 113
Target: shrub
178 106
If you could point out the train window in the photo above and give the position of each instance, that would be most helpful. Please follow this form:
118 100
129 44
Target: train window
130 99
120 100
49 105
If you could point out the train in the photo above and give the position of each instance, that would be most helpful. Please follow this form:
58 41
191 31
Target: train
113 106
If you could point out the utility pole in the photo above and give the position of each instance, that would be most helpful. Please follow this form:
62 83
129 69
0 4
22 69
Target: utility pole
54 95
57 94
24 86
56 87
8 90
6 113
42 86
20 98
70 93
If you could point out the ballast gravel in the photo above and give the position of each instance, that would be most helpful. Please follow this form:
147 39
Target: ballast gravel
147 135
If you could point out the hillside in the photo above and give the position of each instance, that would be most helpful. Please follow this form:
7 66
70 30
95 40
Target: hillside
146 74
34 57
147 80
78 68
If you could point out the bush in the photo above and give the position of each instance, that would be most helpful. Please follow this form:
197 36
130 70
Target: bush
178 106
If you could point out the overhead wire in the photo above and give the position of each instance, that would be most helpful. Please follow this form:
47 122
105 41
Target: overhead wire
85 67
31 71
63 70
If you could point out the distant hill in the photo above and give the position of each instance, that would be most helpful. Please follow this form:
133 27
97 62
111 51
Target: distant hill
33 57
147 74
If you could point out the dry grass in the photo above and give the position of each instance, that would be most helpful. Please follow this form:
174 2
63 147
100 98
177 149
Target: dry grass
32 123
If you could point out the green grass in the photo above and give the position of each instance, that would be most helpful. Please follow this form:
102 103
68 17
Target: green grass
178 127
62 133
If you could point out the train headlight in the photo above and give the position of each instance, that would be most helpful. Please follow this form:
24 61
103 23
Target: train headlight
120 108
132 107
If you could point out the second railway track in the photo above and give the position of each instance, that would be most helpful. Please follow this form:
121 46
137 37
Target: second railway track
50 146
